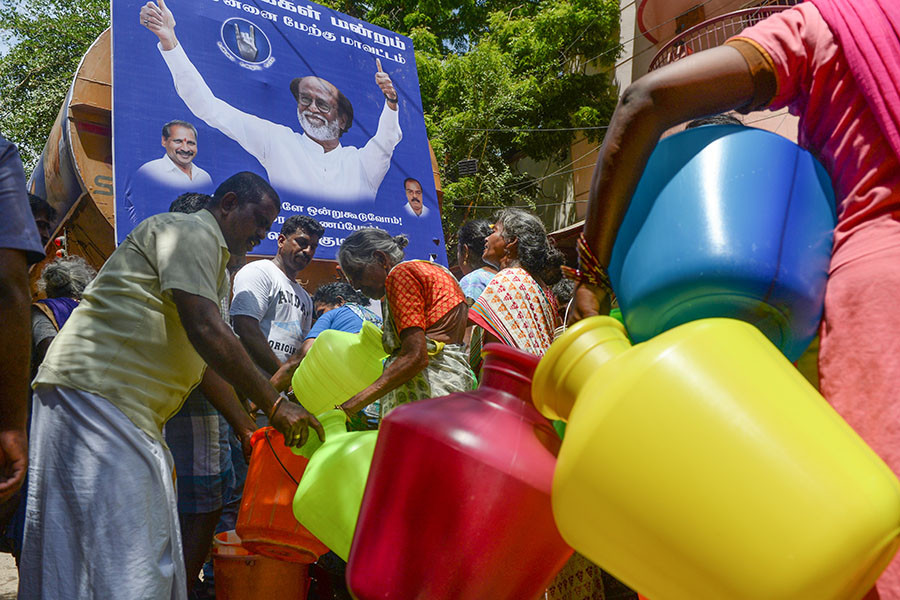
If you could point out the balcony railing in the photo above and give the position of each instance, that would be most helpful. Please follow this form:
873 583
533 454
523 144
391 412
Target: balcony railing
711 33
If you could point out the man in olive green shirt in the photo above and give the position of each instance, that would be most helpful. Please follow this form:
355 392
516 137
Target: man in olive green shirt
102 519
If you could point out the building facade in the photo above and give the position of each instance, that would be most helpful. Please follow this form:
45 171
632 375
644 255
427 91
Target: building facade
654 33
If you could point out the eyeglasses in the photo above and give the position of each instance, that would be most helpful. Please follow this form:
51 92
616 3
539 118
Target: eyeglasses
322 105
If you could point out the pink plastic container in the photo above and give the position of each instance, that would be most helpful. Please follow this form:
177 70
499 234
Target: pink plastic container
457 504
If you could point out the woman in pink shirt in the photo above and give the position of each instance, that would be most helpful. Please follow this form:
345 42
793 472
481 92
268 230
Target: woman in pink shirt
835 64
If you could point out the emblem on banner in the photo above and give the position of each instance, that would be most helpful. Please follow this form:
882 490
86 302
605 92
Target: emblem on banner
246 44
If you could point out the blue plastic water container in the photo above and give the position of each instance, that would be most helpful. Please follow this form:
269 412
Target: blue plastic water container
727 221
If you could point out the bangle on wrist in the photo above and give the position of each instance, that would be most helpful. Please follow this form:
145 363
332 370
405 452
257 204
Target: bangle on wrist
281 396
589 268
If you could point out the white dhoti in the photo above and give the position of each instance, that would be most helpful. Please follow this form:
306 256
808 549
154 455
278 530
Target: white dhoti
102 517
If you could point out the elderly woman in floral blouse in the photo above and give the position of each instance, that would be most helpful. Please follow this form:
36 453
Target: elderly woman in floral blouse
424 321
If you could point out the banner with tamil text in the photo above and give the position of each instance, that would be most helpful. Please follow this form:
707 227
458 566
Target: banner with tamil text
324 106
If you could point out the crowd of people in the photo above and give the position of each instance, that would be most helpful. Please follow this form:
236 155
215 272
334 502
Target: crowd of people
150 376
128 373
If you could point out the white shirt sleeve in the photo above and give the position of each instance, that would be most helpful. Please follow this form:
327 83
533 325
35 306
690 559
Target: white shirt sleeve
253 291
375 156
250 131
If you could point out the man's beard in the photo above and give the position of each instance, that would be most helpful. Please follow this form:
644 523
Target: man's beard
331 130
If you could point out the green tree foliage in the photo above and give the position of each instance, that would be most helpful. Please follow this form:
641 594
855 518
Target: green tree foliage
496 77
458 24
46 40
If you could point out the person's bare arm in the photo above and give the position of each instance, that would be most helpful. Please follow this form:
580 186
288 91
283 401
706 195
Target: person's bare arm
222 397
222 351
281 380
411 360
702 84
15 353
256 343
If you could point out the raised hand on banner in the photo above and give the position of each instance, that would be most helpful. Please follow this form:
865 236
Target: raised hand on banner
160 20
246 43
387 86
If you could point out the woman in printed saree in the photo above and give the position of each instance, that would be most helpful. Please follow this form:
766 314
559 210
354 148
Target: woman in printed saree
517 307
424 313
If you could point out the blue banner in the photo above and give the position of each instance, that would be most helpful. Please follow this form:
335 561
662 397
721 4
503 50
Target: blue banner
324 106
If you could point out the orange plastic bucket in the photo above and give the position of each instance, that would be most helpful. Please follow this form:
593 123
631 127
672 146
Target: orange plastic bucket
241 575
266 523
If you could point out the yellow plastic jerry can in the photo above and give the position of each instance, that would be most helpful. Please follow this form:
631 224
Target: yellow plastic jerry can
700 465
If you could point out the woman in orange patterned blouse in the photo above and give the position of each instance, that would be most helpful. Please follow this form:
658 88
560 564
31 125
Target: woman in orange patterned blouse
424 321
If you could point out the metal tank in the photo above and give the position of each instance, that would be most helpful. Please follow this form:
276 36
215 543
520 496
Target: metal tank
74 173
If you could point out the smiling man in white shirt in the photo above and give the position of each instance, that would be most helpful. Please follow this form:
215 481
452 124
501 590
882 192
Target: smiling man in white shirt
271 311
152 187
176 168
314 162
